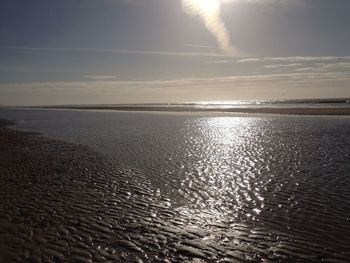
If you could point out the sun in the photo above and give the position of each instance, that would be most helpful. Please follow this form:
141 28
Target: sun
207 6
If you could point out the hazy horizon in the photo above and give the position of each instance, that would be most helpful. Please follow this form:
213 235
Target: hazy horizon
290 102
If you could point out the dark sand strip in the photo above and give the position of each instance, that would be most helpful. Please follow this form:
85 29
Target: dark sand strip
64 203
61 202
340 111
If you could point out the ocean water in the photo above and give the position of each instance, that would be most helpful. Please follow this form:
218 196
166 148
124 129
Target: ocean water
283 103
284 176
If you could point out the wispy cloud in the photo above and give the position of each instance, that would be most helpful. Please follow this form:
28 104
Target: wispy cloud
99 77
248 60
185 82
299 84
133 2
197 46
281 3
283 65
299 60
303 58
337 65
294 59
326 67
220 61
119 51
184 54
209 11
34 69
303 69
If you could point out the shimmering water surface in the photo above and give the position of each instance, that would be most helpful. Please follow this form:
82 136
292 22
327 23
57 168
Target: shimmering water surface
281 175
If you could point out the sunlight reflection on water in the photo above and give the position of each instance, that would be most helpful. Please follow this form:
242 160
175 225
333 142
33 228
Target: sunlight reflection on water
220 181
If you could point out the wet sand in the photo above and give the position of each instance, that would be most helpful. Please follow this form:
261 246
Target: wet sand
341 111
61 202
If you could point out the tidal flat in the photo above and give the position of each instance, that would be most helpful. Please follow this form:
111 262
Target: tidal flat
228 190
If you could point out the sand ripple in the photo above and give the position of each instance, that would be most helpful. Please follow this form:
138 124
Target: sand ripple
61 202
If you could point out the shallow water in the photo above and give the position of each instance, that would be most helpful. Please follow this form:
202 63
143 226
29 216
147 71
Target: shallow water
280 182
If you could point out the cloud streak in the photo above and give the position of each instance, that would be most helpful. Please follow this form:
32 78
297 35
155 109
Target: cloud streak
117 51
282 3
283 65
242 59
267 86
209 12
293 59
299 59
99 77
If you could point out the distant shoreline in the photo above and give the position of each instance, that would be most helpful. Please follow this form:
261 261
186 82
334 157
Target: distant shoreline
340 111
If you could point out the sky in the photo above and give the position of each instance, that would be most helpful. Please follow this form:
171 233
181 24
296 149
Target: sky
148 51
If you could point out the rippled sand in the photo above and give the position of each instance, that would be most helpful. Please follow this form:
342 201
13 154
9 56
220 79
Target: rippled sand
61 202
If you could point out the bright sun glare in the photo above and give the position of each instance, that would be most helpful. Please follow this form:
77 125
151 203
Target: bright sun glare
207 6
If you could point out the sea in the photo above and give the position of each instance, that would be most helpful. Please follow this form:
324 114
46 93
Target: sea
282 103
285 179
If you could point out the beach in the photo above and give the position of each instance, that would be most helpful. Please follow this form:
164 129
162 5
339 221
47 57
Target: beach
144 198
188 131
65 203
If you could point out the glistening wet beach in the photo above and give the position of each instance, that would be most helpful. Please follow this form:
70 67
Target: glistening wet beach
182 188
